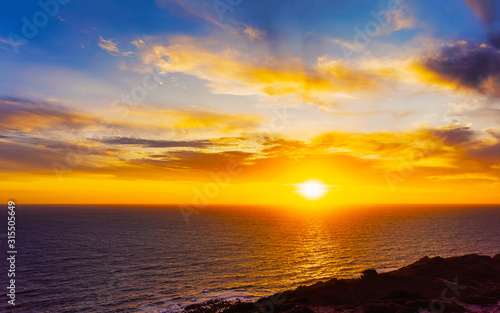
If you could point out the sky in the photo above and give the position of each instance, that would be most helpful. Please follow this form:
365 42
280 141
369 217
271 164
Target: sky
239 102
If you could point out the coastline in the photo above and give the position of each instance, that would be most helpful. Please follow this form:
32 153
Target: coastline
469 283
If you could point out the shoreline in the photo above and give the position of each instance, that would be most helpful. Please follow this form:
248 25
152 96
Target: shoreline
469 283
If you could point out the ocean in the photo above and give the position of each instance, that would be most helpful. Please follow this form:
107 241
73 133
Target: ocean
151 259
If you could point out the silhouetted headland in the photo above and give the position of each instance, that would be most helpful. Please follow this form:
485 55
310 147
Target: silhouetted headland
469 283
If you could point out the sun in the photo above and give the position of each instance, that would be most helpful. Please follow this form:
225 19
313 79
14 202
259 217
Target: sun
312 189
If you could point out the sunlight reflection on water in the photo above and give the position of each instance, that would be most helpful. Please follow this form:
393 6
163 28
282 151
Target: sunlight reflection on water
127 258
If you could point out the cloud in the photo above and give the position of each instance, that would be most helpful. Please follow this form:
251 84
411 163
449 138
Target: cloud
195 160
465 176
393 113
12 45
19 157
402 21
23 115
234 67
487 11
37 118
484 9
147 143
433 152
466 65
494 38
232 64
206 10
279 147
39 155
254 33
138 43
455 136
189 121
397 19
110 46
438 155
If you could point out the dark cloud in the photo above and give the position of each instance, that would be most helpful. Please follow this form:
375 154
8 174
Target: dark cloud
193 160
487 152
40 159
494 39
469 65
484 9
148 143
487 11
455 136
39 155
17 157
158 155
472 143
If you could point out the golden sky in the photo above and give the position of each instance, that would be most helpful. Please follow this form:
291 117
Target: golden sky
241 111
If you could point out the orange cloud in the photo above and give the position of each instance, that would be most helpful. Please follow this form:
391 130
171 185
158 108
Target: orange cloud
26 116
188 121
237 69
431 159
465 176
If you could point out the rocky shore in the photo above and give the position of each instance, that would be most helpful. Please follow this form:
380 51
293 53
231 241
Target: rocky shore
469 283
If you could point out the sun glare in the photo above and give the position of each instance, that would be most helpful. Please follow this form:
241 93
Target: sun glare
312 189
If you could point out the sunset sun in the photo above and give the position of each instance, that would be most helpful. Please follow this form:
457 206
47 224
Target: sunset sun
312 189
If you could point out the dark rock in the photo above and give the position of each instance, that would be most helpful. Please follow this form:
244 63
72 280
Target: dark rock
407 310
345 308
371 273
300 300
211 306
242 307
453 307
435 261
302 309
285 307
397 294
403 294
473 278
479 299
419 304
382 308
423 260
400 301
